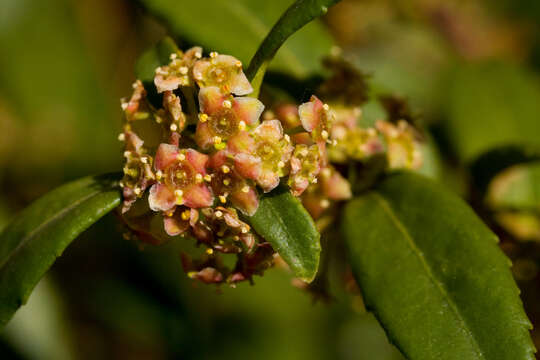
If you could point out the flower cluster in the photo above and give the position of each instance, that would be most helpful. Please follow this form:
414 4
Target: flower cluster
200 157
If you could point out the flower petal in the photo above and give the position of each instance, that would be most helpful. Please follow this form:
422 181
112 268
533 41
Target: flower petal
161 198
336 187
197 160
198 196
310 113
241 142
165 156
246 202
175 225
210 99
203 136
270 130
268 180
247 166
248 109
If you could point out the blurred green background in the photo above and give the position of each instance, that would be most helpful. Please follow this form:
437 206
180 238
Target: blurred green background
470 68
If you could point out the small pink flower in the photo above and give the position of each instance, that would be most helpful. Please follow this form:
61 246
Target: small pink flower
138 173
224 72
305 166
330 187
135 108
177 72
229 186
262 154
180 173
402 147
222 116
181 221
288 115
316 118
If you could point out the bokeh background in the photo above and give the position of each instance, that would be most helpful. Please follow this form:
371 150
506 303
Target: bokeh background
468 68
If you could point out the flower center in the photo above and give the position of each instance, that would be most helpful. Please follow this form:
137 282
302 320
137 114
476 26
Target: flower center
268 152
224 123
180 175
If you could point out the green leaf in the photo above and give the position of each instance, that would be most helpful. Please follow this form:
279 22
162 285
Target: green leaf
488 165
238 27
286 225
492 105
30 244
433 273
517 188
297 15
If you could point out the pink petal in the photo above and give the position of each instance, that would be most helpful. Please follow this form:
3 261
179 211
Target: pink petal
248 166
198 196
168 83
210 99
268 180
238 83
310 113
203 136
241 142
298 185
270 130
218 159
197 160
174 225
133 142
248 109
337 187
246 202
161 198
191 54
165 156
172 103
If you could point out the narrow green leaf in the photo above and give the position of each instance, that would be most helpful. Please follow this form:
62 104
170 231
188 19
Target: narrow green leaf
433 274
297 15
30 244
238 27
286 225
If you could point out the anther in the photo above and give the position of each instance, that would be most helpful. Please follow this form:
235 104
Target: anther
245 189
203 117
225 169
122 137
227 104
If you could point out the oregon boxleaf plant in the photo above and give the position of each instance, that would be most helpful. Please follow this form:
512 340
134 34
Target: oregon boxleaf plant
208 162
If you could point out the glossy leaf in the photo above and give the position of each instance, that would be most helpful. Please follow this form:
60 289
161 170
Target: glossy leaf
286 225
238 27
30 244
433 274
492 105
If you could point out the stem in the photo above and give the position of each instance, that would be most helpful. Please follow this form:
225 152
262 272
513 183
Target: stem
295 17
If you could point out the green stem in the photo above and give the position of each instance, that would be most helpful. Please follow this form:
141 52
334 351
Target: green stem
295 17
